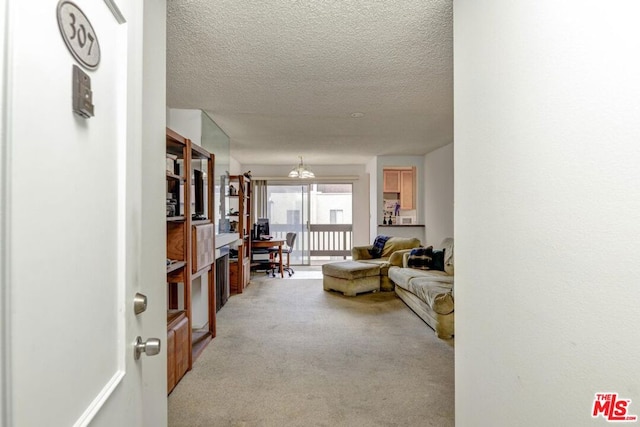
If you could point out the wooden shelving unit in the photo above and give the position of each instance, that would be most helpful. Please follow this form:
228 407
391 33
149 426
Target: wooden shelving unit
239 211
190 251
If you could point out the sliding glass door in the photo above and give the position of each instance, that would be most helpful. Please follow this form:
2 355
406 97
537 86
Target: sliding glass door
321 214
288 211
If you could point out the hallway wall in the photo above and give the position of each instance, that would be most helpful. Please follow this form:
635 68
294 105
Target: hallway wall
438 195
547 100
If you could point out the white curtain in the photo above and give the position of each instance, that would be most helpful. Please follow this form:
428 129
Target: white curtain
260 200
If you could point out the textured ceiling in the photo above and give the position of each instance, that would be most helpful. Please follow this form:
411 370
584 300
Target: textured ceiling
283 77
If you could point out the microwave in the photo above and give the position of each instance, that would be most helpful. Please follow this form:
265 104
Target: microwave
405 220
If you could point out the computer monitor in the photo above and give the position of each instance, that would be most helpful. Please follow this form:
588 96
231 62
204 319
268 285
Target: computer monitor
262 227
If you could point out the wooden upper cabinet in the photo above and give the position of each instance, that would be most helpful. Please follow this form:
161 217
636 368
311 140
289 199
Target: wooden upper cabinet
401 181
391 181
407 190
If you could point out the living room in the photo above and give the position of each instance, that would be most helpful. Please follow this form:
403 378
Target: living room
436 190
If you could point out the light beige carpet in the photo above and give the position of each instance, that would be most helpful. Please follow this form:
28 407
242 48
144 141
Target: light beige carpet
289 353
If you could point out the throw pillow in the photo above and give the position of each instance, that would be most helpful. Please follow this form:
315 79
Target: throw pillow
438 260
378 246
426 259
420 258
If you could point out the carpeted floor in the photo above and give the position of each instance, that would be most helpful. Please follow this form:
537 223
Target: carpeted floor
290 354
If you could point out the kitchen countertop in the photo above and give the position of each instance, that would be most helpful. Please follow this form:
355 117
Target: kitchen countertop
401 225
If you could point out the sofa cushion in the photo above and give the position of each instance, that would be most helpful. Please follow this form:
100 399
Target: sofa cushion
375 261
437 293
398 243
396 257
359 253
401 276
383 263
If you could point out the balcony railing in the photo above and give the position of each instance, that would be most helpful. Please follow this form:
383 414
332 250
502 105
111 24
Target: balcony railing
323 240
330 239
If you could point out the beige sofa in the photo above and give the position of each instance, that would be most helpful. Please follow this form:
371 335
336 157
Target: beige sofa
390 250
429 293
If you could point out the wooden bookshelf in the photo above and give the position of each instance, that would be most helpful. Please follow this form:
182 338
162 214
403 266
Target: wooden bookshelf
189 256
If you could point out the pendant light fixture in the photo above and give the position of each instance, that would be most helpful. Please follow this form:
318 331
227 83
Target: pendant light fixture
301 171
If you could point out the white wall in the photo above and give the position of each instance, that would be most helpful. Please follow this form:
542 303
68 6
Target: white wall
235 168
360 189
438 194
547 201
4 247
187 123
372 169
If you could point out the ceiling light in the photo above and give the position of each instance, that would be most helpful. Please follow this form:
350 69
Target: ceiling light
301 171
357 115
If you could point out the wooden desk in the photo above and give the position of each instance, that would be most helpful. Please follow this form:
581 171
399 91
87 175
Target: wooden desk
270 244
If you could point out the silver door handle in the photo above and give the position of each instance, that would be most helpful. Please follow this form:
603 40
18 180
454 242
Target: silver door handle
150 347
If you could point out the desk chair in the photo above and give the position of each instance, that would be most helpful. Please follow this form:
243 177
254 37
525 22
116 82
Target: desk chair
291 240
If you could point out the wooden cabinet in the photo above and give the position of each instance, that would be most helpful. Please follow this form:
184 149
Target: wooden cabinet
241 221
407 189
401 182
391 181
190 250
177 347
203 251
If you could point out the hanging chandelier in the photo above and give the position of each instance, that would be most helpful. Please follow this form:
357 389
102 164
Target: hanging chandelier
301 171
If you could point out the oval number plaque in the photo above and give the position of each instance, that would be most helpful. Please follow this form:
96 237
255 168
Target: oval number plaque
78 35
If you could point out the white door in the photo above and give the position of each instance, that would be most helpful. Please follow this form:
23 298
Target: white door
79 240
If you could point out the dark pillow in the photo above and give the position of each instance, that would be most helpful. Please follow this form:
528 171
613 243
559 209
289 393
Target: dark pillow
378 246
438 260
426 259
420 258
